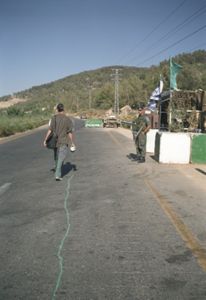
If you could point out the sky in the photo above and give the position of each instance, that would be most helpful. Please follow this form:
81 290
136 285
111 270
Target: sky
46 40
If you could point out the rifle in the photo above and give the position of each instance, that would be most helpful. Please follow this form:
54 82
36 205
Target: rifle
136 133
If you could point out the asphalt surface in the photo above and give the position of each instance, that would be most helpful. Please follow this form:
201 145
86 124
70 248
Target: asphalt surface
112 229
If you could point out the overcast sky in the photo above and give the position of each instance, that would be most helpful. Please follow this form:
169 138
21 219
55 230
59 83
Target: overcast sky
45 40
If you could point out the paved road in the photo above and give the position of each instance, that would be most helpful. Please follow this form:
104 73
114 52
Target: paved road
112 229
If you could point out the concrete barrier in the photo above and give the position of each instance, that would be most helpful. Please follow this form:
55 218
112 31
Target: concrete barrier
150 147
198 148
172 147
93 123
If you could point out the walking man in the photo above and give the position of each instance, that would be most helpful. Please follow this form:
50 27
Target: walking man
63 127
140 127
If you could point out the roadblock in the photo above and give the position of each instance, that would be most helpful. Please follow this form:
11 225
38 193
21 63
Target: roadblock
93 123
172 147
198 148
150 147
180 148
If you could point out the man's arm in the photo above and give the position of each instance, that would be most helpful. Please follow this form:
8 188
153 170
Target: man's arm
70 133
148 125
46 137
51 121
71 137
147 129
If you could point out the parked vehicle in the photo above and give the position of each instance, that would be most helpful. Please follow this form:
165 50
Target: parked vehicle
111 121
83 116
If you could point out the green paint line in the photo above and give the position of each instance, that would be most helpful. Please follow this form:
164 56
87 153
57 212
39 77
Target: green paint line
60 257
5 187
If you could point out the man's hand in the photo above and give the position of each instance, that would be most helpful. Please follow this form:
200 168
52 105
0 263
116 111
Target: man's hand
46 137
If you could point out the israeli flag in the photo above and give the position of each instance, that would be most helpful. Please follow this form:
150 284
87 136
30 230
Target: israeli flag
157 92
152 105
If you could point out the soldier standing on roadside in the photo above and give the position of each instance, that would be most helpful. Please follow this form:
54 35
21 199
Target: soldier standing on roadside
140 127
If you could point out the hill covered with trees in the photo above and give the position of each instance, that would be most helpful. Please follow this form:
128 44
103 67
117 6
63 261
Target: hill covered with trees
95 89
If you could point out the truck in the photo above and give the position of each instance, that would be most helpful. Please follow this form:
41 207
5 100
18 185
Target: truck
111 121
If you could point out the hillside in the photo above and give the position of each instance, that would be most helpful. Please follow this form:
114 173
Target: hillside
95 89
11 102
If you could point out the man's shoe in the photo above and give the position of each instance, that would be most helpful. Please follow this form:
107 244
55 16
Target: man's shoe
58 178
136 158
141 160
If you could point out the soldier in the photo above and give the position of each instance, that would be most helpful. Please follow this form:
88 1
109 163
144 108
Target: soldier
140 127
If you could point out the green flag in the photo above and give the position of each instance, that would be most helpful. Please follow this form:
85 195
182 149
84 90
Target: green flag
174 70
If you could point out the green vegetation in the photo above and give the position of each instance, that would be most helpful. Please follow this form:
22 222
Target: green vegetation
94 90
22 117
9 126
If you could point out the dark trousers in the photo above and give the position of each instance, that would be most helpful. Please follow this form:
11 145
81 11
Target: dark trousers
140 143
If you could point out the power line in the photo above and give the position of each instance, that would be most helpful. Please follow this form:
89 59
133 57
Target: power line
189 19
116 94
174 44
155 28
198 47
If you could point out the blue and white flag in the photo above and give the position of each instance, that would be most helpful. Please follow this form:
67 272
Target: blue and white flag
152 104
157 92
155 96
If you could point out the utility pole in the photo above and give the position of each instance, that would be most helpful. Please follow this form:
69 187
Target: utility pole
90 97
90 88
116 91
77 103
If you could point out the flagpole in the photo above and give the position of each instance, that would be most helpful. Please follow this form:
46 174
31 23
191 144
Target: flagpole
160 114
170 112
160 106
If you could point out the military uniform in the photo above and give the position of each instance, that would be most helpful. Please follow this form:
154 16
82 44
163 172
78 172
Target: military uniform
139 125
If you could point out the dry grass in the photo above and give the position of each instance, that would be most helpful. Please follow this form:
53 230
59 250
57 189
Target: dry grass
13 101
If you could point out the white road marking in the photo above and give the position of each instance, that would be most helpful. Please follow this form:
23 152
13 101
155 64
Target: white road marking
4 188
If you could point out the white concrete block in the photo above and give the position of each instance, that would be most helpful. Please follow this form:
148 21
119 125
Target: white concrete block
173 147
150 147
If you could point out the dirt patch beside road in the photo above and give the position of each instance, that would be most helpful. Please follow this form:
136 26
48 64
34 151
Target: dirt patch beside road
13 101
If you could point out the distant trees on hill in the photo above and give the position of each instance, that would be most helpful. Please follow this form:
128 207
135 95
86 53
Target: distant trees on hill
95 89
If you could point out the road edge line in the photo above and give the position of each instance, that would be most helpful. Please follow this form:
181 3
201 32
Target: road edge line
187 236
